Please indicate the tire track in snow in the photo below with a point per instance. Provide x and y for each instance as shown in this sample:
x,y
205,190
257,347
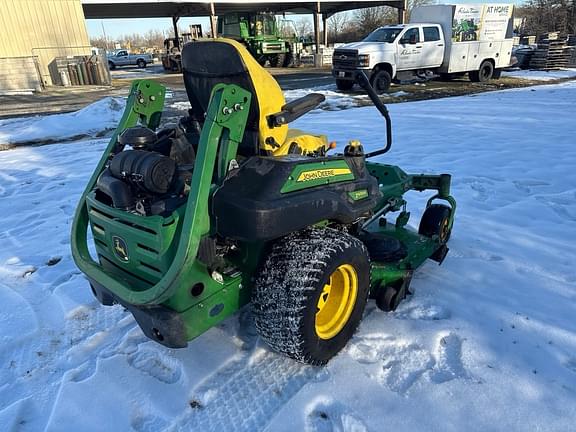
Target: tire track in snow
x,y
246,394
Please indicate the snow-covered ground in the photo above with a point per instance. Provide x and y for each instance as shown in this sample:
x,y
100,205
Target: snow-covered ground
x,y
486,343
93,120
541,75
335,99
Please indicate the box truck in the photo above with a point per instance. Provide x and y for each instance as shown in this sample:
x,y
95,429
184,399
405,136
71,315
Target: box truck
x,y
439,40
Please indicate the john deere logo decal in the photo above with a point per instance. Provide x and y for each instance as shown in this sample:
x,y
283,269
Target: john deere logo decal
x,y
358,194
322,173
120,248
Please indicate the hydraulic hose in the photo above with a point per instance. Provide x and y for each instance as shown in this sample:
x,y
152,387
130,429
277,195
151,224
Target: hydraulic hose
x,y
363,81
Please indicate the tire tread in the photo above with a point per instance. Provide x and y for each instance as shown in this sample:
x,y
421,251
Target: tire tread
x,y
290,273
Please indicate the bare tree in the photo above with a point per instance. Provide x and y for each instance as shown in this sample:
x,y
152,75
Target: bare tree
x,y
544,16
303,26
415,3
337,24
368,19
152,39
99,42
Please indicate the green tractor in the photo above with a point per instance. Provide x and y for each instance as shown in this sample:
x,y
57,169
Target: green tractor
x,y
231,207
268,40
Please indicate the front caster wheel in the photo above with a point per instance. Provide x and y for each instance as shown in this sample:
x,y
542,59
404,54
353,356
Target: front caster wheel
x,y
389,296
310,294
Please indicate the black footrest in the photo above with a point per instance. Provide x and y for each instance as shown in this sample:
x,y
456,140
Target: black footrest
x,y
383,248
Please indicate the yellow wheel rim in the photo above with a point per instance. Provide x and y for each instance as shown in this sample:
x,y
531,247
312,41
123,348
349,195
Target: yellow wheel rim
x,y
444,230
336,302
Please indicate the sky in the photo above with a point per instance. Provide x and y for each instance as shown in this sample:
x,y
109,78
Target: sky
x,y
115,28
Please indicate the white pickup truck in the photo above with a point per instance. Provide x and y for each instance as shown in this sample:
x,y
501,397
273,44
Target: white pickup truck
x,y
124,58
440,40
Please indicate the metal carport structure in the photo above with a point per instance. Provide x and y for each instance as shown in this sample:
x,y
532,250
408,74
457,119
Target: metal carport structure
x,y
322,9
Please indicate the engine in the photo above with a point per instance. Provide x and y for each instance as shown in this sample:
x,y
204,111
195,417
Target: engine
x,y
152,177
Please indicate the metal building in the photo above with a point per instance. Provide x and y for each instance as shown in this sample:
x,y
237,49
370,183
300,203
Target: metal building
x,y
34,33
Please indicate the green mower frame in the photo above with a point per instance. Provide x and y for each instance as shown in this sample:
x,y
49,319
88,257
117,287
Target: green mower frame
x,y
153,265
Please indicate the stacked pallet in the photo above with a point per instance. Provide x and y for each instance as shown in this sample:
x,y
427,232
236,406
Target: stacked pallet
x,y
552,52
572,43
527,40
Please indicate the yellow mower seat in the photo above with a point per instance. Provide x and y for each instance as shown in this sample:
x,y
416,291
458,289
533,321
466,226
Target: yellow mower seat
x,y
210,62
300,142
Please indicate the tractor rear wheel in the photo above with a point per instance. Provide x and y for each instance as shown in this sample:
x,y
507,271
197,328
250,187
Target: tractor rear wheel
x,y
311,292
262,59
277,60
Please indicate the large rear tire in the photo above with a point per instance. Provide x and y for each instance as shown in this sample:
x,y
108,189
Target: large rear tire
x,y
277,60
310,294
262,60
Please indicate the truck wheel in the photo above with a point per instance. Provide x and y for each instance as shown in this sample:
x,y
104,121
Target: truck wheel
x,y
310,294
111,66
141,63
436,221
344,84
381,81
484,73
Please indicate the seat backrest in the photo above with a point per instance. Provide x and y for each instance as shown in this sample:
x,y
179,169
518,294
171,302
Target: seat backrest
x,y
209,62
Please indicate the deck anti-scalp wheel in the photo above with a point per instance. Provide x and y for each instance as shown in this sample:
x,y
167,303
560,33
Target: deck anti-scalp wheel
x,y
436,221
311,292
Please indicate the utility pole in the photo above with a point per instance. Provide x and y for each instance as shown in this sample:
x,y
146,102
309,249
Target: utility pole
x,y
403,12
317,13
104,34
213,27
175,19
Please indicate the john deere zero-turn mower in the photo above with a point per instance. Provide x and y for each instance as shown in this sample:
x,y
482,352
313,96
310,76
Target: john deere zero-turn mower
x,y
230,206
